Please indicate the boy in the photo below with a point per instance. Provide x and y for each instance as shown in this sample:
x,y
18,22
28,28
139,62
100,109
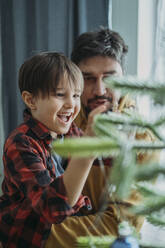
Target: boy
x,y
36,191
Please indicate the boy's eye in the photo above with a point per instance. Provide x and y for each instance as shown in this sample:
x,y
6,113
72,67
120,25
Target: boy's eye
x,y
76,95
60,94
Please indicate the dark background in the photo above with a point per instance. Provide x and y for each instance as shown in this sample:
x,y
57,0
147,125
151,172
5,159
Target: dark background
x,y
31,26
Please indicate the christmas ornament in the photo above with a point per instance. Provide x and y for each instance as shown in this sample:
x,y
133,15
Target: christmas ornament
x,y
125,239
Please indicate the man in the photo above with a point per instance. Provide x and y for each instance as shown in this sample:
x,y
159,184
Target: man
x,y
99,55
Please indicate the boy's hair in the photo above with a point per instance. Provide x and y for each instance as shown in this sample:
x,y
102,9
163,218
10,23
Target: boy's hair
x,y
103,42
43,72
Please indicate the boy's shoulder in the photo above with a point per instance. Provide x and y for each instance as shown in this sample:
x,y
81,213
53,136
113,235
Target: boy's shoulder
x,y
18,134
29,133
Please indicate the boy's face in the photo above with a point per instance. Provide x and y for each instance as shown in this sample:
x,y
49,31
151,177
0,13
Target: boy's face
x,y
58,111
95,70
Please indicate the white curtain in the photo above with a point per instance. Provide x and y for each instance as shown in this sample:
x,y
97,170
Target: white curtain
x,y
160,42
110,14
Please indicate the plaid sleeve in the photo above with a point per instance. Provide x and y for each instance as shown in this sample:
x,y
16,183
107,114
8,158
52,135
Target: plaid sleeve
x,y
82,201
25,166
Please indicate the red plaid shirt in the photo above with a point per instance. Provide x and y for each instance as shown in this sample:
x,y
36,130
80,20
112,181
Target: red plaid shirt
x,y
33,196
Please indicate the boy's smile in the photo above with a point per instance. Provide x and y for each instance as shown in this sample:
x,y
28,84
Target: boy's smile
x,y
58,110
64,117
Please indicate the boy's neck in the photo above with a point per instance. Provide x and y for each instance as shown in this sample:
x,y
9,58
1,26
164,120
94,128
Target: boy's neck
x,y
53,134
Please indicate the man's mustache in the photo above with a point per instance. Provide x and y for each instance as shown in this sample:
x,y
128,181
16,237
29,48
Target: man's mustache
x,y
100,98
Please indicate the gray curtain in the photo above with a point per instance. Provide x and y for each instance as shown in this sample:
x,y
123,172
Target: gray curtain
x,y
31,26
1,116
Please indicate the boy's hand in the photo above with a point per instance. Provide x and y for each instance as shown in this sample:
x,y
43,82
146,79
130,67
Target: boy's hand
x,y
89,130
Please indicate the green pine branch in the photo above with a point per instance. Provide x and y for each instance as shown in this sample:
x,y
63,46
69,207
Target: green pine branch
x,y
149,171
93,241
106,130
105,242
122,119
85,147
149,206
115,137
123,171
147,145
148,189
146,245
129,121
133,85
158,221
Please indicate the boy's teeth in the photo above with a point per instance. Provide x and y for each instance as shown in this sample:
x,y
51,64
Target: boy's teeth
x,y
64,118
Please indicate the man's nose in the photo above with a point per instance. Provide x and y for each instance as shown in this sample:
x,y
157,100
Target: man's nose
x,y
99,88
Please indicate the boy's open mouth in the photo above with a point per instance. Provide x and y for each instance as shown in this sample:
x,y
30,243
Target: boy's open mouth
x,y
64,117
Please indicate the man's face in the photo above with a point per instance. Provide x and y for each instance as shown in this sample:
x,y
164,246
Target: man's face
x,y
95,70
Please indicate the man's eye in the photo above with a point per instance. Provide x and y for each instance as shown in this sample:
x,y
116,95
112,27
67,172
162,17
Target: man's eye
x,y
107,76
114,73
89,78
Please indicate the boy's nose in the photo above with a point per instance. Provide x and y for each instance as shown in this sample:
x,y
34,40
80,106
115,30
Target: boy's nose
x,y
69,103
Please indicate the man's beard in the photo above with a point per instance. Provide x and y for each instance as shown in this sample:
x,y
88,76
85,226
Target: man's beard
x,y
109,100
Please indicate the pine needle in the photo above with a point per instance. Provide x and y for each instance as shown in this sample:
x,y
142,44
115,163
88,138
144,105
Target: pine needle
x,y
93,241
133,85
149,171
122,175
149,206
158,221
85,147
149,190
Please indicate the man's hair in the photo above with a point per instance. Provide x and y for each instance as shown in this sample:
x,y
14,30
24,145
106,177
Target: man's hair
x,y
43,72
103,42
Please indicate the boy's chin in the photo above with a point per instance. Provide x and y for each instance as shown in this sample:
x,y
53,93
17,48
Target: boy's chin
x,y
59,132
65,131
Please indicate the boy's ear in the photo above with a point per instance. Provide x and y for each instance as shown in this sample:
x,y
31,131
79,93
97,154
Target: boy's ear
x,y
29,100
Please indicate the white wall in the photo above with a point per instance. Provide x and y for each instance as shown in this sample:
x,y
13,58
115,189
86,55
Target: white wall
x,y
135,21
147,14
125,21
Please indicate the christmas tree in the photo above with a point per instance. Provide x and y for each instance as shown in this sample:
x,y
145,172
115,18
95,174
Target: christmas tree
x,y
115,137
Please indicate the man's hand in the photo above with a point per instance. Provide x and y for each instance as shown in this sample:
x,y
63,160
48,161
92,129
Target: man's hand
x,y
89,130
